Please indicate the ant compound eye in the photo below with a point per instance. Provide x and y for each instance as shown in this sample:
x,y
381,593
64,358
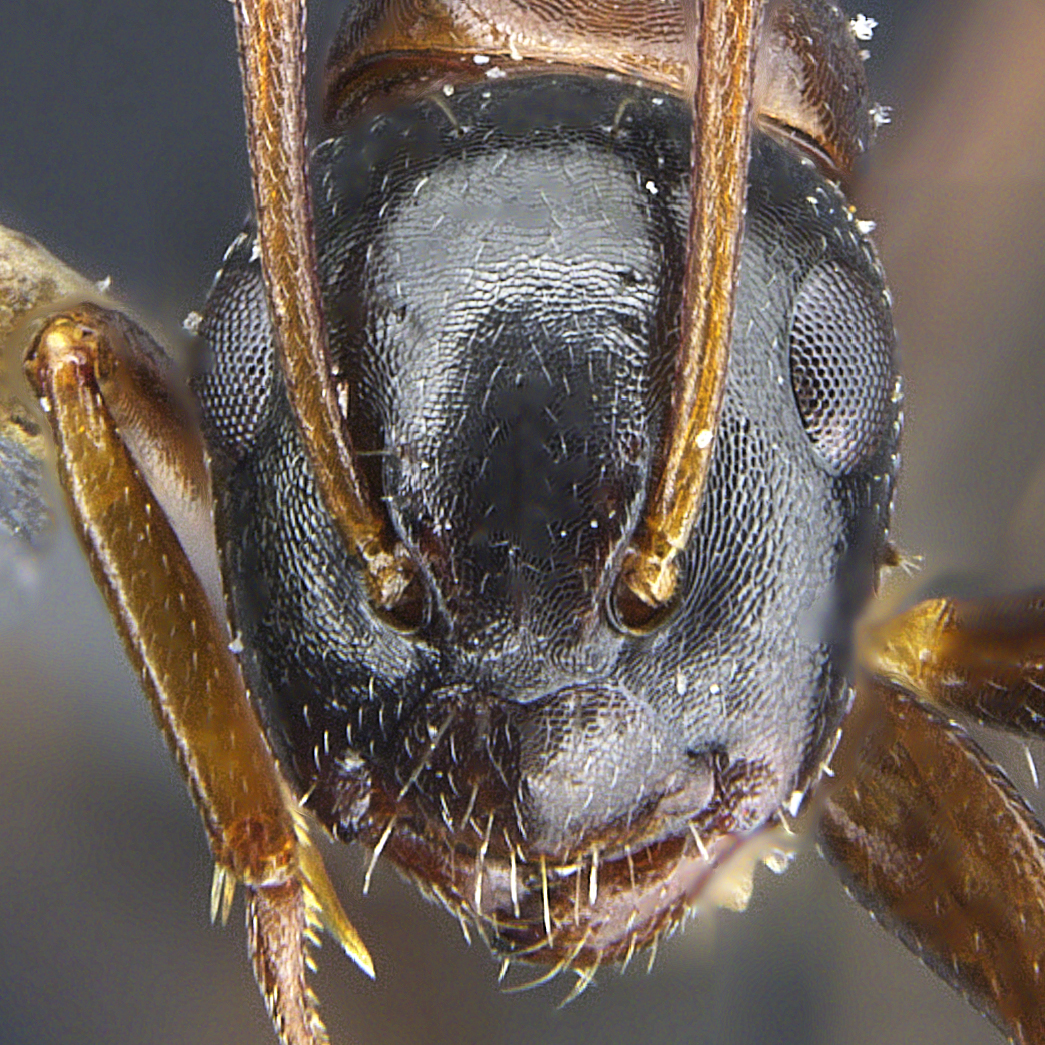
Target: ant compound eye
x,y
235,380
841,351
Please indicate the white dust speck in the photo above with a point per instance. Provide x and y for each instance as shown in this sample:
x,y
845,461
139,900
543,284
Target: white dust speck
x,y
863,27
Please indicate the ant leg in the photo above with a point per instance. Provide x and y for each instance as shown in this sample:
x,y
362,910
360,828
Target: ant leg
x,y
99,380
928,834
982,658
31,279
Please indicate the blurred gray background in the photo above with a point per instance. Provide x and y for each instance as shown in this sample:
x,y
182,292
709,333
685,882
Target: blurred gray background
x,y
122,151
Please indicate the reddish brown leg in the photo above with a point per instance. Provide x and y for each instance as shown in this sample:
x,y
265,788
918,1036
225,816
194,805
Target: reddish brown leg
x,y
100,384
982,658
30,279
929,835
